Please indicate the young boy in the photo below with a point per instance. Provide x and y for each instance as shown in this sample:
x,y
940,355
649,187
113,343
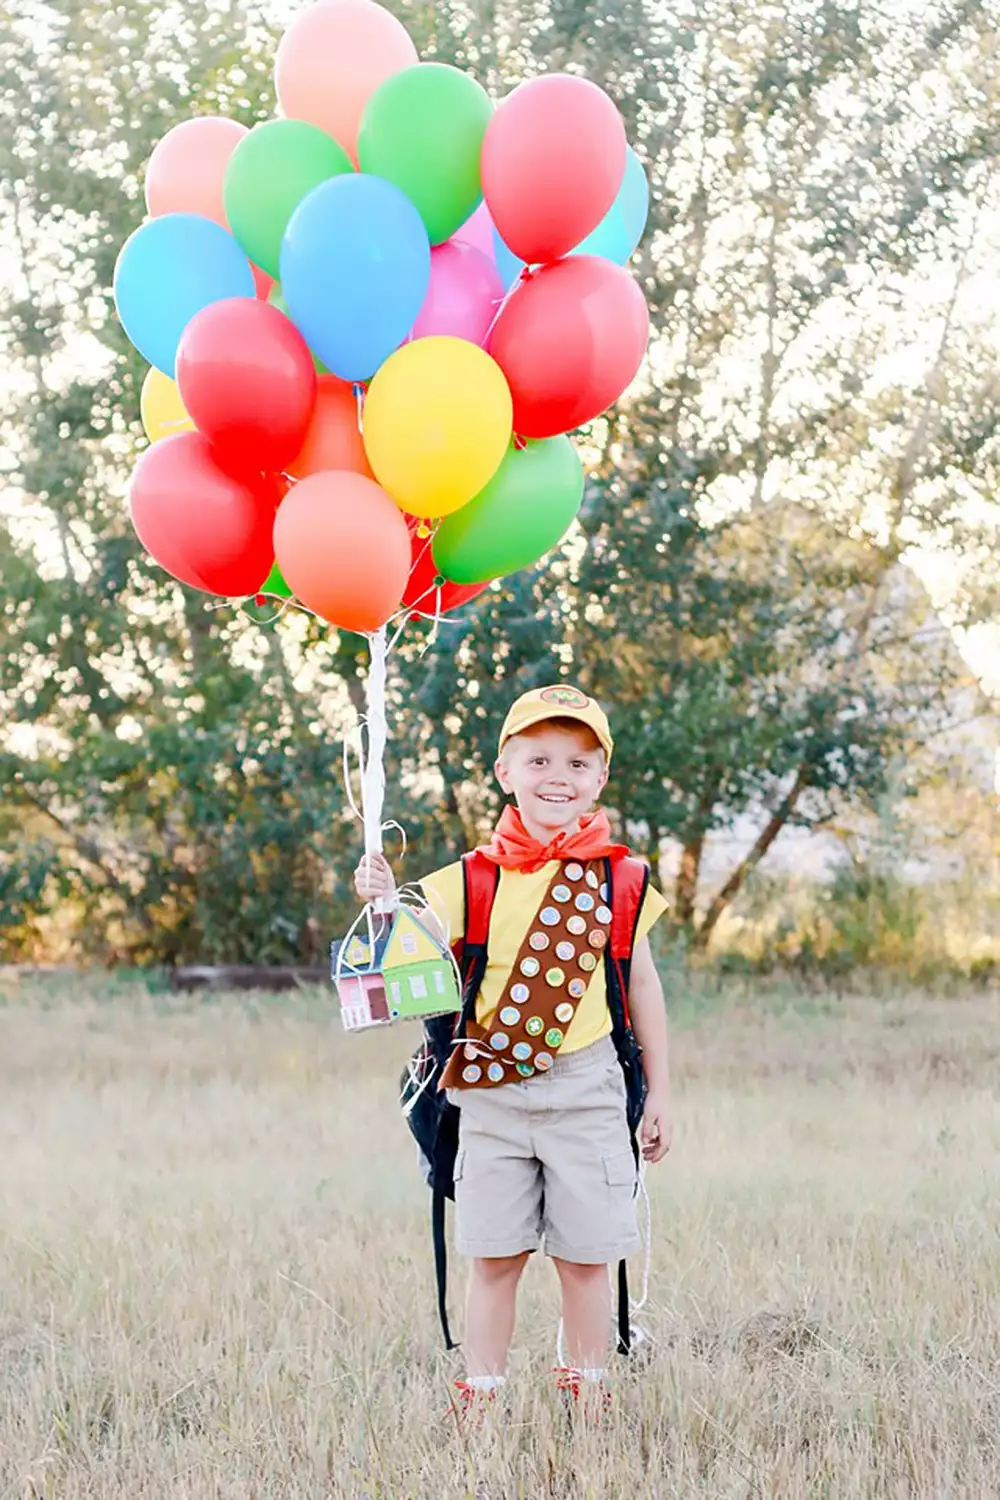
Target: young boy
x,y
544,1148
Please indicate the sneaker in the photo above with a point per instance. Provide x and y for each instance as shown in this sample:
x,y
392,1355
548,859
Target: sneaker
x,y
584,1400
471,1406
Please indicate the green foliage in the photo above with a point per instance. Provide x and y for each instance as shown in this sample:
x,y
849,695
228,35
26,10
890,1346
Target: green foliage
x,y
821,178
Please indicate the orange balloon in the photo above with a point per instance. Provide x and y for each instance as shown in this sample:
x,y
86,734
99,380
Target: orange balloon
x,y
334,440
343,549
185,171
332,59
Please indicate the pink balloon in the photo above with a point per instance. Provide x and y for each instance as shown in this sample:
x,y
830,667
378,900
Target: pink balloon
x,y
332,59
477,231
185,171
465,292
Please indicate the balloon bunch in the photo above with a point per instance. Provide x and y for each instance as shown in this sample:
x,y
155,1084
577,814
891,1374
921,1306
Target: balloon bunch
x,y
372,323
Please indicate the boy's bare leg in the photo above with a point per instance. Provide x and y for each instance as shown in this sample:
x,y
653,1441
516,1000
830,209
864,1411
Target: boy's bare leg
x,y
490,1309
586,1299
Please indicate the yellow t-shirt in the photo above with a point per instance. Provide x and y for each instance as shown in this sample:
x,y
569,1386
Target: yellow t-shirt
x,y
518,898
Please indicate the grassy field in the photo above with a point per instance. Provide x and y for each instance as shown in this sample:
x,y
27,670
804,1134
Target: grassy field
x,y
215,1275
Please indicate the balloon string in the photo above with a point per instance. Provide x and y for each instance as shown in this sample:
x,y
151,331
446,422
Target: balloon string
x,y
359,397
514,287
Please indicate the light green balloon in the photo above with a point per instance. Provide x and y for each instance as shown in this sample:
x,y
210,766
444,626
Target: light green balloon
x,y
423,130
275,585
270,172
526,508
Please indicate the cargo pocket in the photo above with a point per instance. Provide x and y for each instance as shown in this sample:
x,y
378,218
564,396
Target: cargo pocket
x,y
621,1179
620,1171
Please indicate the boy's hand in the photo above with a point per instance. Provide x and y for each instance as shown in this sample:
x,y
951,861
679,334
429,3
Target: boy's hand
x,y
373,878
657,1128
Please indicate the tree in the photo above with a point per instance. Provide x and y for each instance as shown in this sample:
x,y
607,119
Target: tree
x,y
174,769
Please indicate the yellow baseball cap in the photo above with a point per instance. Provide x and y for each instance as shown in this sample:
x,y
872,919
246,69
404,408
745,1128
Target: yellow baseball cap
x,y
558,702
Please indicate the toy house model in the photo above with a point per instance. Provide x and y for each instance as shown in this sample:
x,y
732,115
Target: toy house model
x,y
407,974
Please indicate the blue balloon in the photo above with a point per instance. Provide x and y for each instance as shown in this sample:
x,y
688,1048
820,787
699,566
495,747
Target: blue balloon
x,y
620,231
508,264
167,271
355,267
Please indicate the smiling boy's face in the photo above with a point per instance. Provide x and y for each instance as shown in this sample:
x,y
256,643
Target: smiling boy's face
x,y
556,772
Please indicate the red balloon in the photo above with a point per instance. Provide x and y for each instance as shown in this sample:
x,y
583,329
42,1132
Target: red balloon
x,y
570,341
425,582
262,282
206,527
248,382
553,161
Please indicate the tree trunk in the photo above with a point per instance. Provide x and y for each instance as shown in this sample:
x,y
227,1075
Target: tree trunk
x,y
752,859
686,885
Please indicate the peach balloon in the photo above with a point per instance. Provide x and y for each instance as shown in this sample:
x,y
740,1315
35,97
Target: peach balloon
x,y
185,171
332,59
343,549
334,439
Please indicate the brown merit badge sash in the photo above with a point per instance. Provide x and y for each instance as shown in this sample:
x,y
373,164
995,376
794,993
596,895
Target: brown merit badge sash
x,y
556,962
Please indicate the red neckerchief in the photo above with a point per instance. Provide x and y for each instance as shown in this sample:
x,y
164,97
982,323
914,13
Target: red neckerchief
x,y
512,847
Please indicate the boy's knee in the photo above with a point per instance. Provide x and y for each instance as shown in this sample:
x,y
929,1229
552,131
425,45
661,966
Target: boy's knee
x,y
499,1268
580,1274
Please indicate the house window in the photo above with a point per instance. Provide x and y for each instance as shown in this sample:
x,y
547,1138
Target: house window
x,y
408,942
418,987
439,981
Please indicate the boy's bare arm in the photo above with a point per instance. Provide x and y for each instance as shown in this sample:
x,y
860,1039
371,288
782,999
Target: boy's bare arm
x,y
649,1021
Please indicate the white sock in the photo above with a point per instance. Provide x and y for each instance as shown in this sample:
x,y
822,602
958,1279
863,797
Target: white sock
x,y
487,1382
594,1377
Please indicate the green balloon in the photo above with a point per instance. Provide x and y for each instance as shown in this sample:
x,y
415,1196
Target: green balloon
x,y
269,173
274,584
276,298
522,513
423,130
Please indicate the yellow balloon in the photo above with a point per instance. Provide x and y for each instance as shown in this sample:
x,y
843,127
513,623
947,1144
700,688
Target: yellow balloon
x,y
161,408
437,419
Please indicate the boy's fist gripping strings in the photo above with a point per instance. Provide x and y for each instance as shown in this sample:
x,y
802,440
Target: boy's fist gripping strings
x,y
373,879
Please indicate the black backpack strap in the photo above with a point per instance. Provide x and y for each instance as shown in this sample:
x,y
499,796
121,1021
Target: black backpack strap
x,y
626,904
624,1325
438,1203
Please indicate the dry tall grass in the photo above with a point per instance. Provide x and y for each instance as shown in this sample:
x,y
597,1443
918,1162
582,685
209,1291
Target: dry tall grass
x,y
215,1272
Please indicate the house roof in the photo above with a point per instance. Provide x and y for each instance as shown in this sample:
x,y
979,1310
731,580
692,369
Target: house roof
x,y
361,962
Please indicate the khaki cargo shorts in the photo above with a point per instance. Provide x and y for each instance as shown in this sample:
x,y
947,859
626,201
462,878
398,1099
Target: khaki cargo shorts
x,y
548,1160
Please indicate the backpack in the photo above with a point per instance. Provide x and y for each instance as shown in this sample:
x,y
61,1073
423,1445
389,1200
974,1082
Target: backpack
x,y
434,1121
